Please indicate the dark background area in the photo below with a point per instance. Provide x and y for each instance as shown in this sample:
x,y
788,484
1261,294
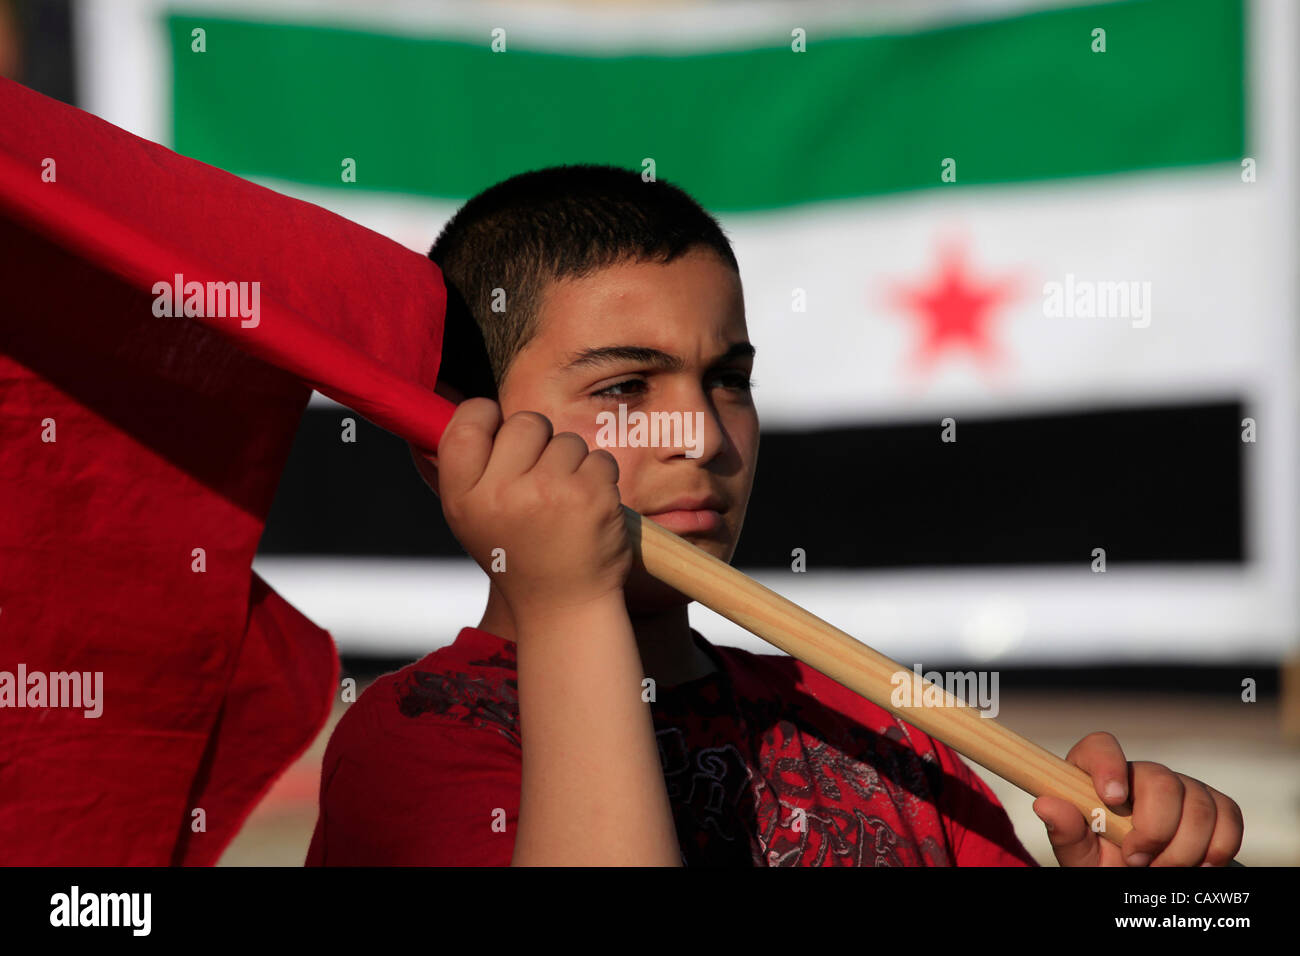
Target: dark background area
x,y
36,46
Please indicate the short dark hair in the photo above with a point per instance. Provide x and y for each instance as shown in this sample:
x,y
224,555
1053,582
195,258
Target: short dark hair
x,y
560,222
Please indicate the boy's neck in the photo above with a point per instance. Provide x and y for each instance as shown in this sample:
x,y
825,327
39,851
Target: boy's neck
x,y
668,652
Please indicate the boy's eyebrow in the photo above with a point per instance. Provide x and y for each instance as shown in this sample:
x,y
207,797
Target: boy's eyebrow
x,y
610,354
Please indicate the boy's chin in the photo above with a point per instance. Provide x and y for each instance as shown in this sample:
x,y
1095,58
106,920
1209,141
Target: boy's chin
x,y
651,596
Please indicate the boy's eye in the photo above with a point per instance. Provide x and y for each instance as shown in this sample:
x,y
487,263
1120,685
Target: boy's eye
x,y
738,381
610,391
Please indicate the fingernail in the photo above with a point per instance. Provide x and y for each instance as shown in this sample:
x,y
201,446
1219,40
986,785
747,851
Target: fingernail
x,y
1139,859
1114,791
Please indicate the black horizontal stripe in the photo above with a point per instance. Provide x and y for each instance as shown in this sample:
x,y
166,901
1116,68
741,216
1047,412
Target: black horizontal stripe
x,y
1151,484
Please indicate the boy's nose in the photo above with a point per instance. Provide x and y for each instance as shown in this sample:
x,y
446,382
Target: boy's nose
x,y
701,435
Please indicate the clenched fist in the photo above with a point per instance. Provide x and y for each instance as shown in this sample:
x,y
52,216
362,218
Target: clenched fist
x,y
547,500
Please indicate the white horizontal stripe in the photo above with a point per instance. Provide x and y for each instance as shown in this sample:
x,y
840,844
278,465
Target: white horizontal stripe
x,y
1061,617
1204,242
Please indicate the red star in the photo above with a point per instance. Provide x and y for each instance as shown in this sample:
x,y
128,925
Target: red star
x,y
954,311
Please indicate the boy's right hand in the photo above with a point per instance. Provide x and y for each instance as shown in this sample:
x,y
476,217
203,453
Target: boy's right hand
x,y
548,500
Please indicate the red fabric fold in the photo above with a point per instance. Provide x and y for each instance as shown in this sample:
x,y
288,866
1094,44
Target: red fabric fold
x,y
139,455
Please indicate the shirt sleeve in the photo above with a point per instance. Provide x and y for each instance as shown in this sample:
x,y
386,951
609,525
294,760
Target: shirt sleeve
x,y
433,793
978,828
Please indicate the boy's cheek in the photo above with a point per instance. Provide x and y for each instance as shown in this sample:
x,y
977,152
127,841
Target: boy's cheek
x,y
584,425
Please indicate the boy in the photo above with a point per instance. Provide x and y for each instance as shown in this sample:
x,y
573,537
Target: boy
x,y
528,740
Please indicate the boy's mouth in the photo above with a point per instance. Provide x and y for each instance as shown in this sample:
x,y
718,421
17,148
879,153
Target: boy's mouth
x,y
691,514
689,521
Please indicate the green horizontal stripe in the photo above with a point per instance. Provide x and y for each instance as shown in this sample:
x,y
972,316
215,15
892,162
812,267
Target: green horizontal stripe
x,y
1011,100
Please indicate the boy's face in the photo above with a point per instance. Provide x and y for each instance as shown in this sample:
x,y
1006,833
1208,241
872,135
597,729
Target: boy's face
x,y
691,310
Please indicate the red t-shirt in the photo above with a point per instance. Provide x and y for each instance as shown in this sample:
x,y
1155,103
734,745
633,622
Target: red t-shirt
x,y
424,769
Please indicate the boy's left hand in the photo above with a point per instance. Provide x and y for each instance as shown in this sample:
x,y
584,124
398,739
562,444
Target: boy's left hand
x,y
1177,821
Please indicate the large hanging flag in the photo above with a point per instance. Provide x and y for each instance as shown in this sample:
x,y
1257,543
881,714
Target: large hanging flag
x,y
1066,228
164,325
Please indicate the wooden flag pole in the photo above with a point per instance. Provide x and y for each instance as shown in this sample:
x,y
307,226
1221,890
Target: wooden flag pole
x,y
802,634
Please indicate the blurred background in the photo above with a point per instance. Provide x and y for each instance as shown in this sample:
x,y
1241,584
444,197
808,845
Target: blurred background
x,y
1063,234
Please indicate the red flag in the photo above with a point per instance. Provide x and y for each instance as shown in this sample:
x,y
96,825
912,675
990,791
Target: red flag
x,y
140,448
